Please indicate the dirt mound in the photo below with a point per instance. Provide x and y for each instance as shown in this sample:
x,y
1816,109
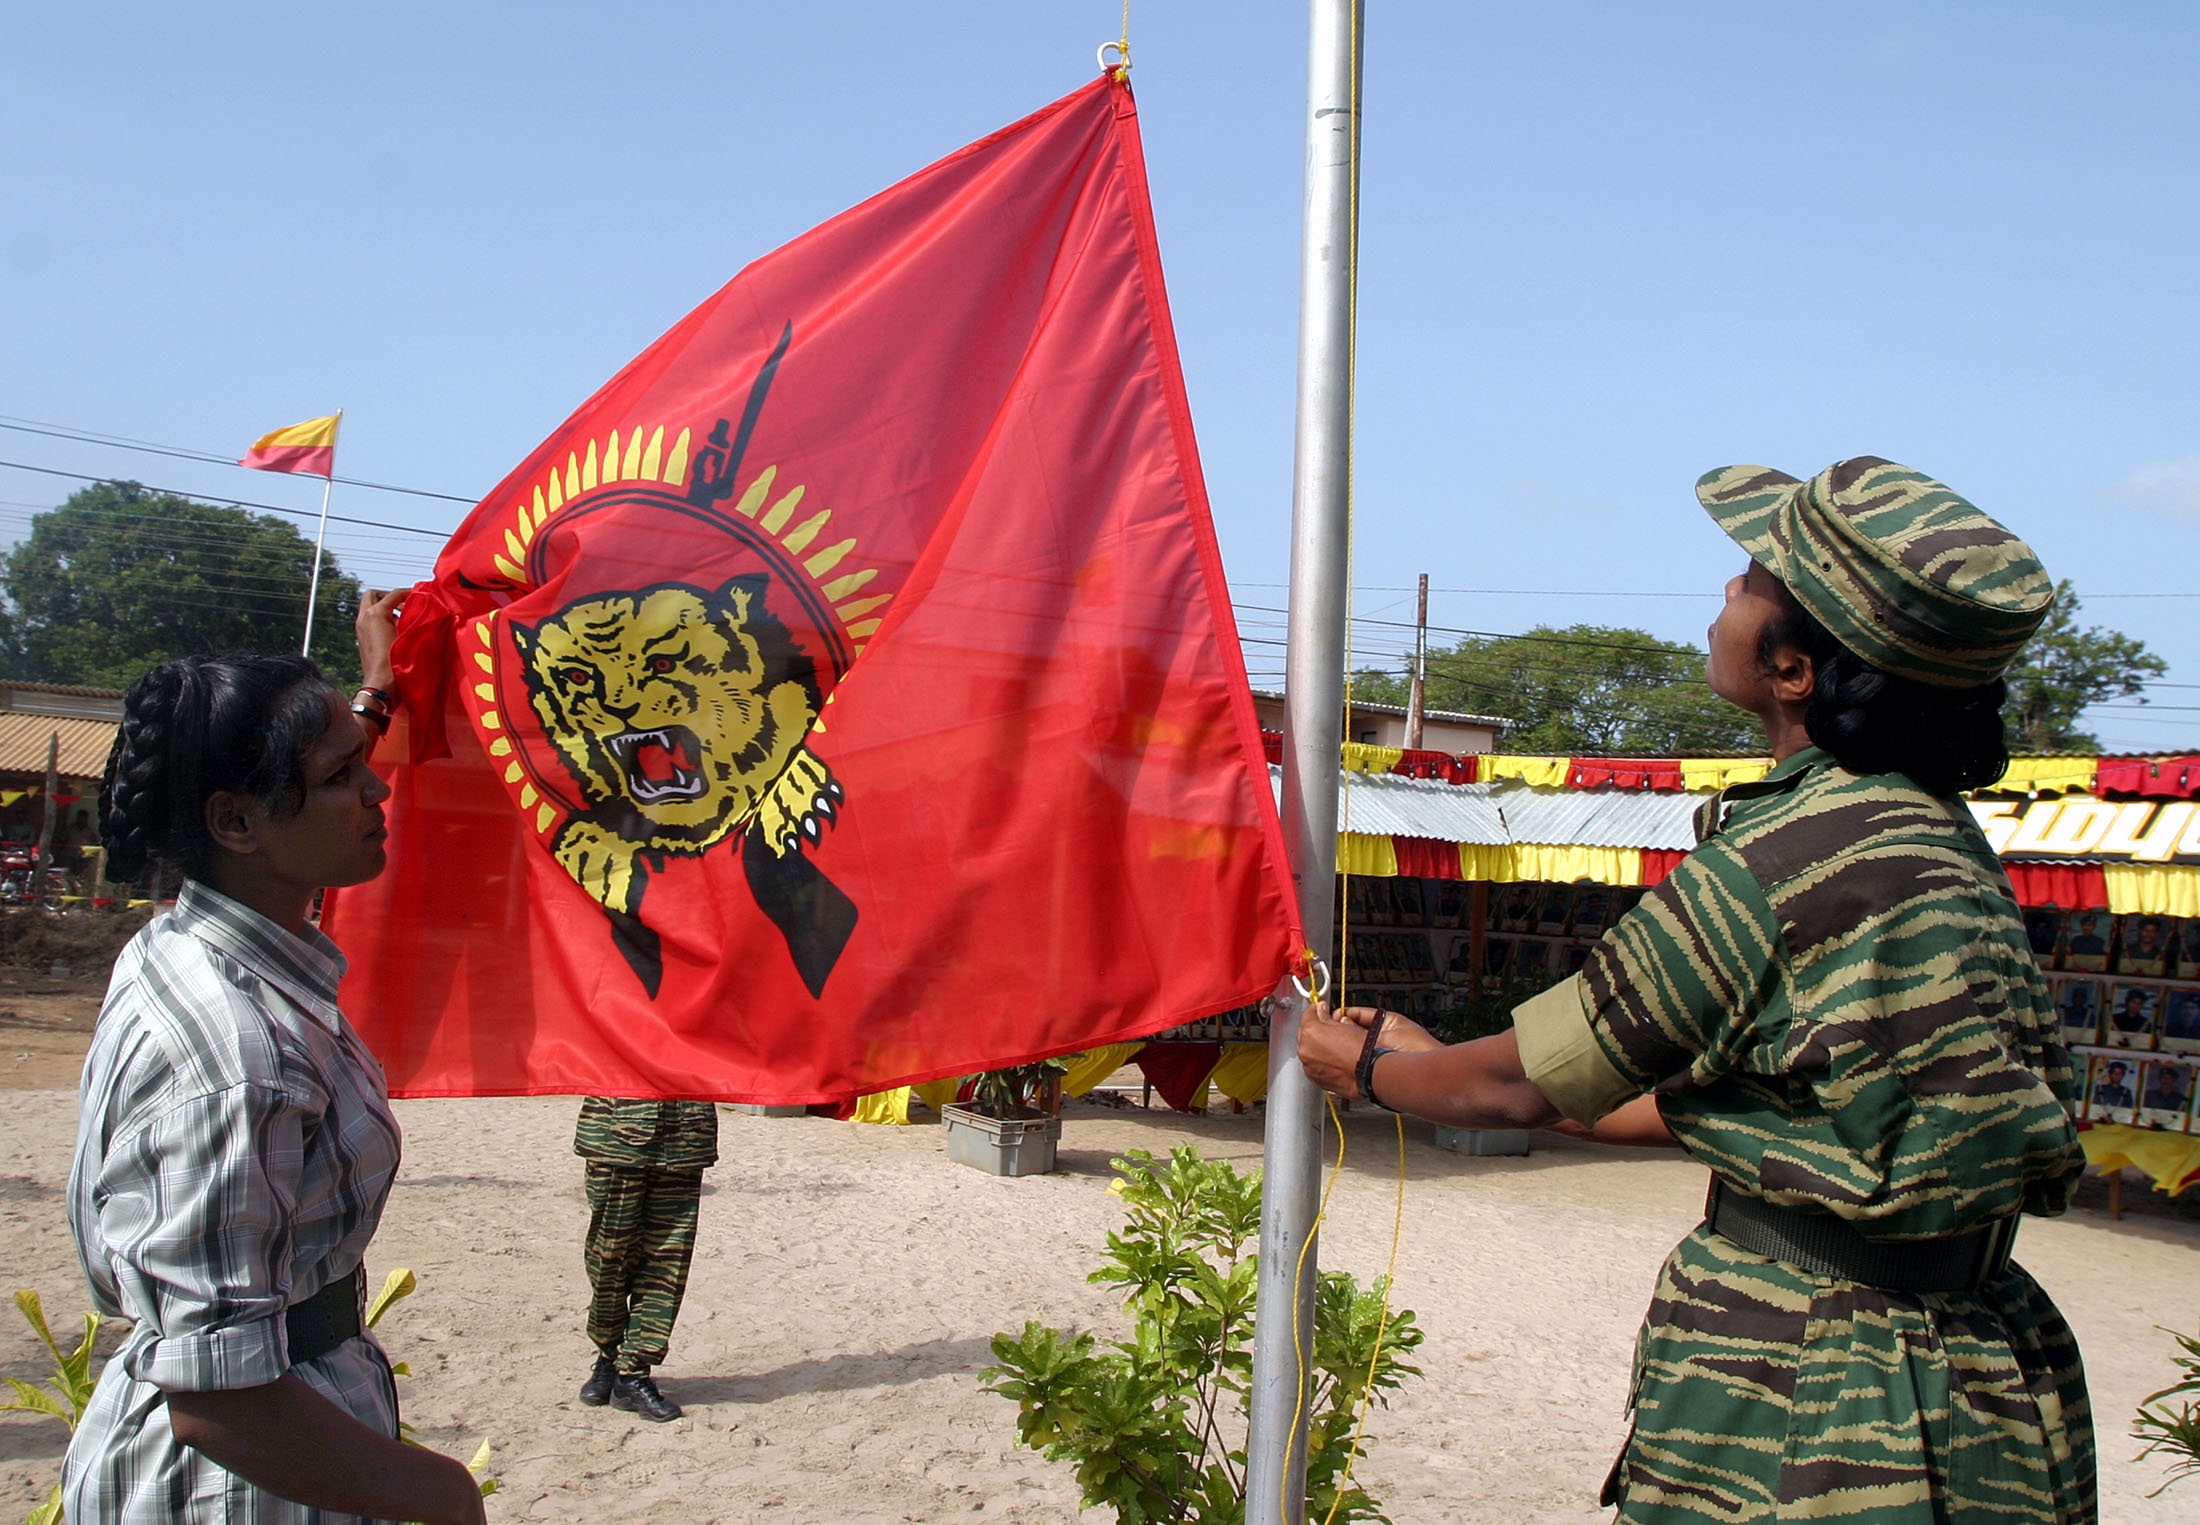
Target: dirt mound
x,y
72,944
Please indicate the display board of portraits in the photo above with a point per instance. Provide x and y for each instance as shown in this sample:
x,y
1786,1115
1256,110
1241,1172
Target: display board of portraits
x,y
2128,992
1247,1024
1407,945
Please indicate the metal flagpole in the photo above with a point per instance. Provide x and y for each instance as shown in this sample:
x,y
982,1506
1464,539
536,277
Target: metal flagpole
x,y
313,588
1275,1466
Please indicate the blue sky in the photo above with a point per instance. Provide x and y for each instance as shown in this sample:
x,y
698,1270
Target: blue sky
x,y
1606,247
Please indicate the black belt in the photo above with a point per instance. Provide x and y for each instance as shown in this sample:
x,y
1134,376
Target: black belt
x,y
1829,1246
329,1317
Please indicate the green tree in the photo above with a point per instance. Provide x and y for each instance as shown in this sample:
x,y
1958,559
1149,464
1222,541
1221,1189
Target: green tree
x,y
2063,670
1582,691
120,578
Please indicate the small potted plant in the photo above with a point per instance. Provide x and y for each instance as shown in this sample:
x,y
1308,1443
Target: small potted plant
x,y
1011,1123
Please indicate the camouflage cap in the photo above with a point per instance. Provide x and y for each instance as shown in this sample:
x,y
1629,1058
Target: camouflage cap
x,y
1900,570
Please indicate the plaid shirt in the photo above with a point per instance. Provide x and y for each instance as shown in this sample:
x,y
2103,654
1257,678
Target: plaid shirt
x,y
234,1149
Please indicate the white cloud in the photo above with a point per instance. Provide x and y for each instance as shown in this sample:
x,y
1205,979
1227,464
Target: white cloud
x,y
2170,489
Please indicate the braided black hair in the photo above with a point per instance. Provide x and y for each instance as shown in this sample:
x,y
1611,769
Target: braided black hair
x,y
1873,721
195,727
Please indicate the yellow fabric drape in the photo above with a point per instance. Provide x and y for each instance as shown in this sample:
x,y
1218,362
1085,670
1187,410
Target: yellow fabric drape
x,y
1360,757
1094,1065
2159,889
1552,864
2049,775
1543,772
937,1093
1243,1073
2172,1160
887,1107
1360,853
1708,775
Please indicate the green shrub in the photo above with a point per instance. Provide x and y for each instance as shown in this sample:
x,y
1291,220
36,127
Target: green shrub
x,y
1014,1092
2174,1431
66,1398
74,1380
1150,1421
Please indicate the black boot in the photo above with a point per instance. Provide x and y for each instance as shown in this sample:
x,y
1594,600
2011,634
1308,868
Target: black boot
x,y
637,1394
596,1391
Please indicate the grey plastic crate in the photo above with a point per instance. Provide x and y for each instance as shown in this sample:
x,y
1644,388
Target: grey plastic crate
x,y
1001,1146
1482,1140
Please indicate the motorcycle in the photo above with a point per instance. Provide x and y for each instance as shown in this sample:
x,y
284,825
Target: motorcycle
x,y
21,884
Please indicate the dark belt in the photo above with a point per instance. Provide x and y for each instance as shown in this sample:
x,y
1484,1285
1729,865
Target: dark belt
x,y
1826,1245
329,1317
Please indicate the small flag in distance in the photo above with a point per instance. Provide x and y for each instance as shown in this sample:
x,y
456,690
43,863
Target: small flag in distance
x,y
309,447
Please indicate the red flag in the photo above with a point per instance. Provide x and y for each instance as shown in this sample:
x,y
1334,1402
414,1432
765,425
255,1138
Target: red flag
x,y
847,693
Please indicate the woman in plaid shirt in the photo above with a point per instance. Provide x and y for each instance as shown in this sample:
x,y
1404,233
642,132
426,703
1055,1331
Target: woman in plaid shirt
x,y
235,1144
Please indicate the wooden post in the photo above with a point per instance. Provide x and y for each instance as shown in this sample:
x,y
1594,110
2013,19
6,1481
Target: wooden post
x,y
1416,695
46,826
1478,928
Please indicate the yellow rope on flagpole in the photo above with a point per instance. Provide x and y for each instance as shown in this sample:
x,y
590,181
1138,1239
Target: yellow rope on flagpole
x,y
1121,67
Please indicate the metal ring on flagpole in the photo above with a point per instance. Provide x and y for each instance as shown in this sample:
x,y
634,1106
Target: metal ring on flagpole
x,y
1320,990
1122,55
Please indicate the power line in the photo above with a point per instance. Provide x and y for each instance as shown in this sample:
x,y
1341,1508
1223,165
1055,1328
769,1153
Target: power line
x,y
1657,648
146,447
216,501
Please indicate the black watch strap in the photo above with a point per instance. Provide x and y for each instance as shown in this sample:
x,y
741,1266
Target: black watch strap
x,y
1363,1074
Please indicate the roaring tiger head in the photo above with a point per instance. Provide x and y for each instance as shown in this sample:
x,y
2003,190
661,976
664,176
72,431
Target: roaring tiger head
x,y
674,707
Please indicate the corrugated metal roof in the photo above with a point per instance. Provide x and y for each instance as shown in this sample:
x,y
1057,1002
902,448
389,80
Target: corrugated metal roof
x,y
1599,817
1454,716
72,689
1386,805
84,744
1497,815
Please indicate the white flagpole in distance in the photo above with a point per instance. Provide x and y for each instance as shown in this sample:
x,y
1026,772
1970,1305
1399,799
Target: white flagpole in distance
x,y
313,588
1275,1470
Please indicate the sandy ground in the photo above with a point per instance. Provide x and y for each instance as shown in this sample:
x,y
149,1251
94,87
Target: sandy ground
x,y
848,1279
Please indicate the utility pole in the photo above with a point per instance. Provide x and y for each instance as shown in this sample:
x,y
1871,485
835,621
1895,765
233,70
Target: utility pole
x,y
1416,697
1275,1466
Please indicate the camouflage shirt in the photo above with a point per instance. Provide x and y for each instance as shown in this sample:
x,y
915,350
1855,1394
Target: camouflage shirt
x,y
1834,999
647,1135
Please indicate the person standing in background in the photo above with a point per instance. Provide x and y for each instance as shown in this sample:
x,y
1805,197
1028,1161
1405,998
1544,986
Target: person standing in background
x,y
644,1167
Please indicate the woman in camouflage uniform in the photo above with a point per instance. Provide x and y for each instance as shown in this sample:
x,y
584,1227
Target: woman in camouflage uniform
x,y
1833,1005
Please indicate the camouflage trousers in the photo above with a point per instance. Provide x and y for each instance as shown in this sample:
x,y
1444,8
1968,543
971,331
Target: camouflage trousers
x,y
1763,1393
641,1236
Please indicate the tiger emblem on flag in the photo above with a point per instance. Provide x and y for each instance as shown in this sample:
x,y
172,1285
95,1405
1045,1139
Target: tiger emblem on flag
x,y
681,713
661,709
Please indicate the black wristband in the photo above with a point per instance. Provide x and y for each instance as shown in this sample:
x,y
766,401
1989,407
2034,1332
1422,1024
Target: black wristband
x,y
381,696
368,711
1363,1074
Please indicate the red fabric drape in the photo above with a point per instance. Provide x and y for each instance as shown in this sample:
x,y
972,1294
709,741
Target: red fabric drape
x,y
2065,886
1424,764
2173,778
1422,858
1659,773
1178,1070
1657,862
